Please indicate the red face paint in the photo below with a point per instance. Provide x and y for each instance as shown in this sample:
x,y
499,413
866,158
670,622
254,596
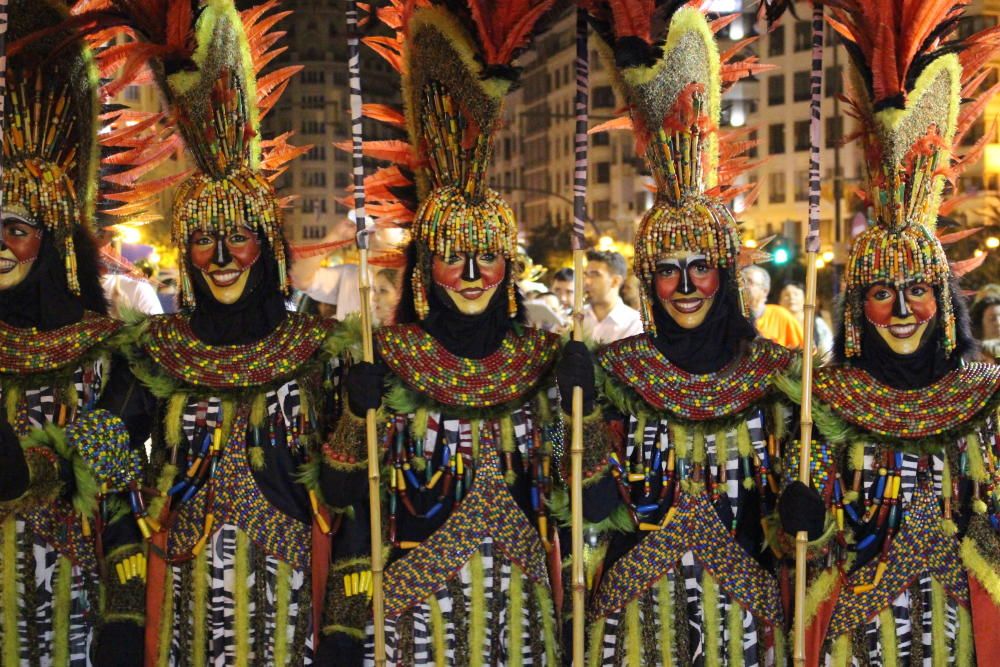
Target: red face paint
x,y
902,328
470,296
686,286
23,240
225,268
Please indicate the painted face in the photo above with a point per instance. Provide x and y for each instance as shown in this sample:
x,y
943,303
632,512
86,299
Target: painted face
x,y
225,261
901,316
469,278
20,243
686,285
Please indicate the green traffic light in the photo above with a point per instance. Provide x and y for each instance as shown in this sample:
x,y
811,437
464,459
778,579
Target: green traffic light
x,y
780,256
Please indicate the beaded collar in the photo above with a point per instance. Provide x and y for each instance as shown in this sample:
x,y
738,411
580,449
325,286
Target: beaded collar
x,y
637,363
172,345
424,365
859,399
29,351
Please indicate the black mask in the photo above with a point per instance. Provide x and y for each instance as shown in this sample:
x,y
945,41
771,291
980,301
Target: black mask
x,y
711,345
252,317
905,371
43,299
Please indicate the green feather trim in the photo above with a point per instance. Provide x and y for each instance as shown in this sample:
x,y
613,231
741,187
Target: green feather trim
x,y
987,574
939,638
507,443
515,609
346,339
477,612
841,651
87,489
619,521
163,483
166,621
712,629
595,653
437,631
668,639
887,632
964,643
241,614
633,635
698,449
61,604
734,619
818,592
977,469
544,598
174,419
255,455
419,424
10,597
258,410
678,434
333,628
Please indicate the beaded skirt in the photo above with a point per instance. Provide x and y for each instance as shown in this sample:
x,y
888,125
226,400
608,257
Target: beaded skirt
x,y
688,593
476,592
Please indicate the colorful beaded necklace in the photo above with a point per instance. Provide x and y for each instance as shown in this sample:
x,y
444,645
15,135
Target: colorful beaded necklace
x,y
31,351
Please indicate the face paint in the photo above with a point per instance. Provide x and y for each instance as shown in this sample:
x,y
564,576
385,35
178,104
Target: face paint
x,y
20,243
470,289
901,317
686,285
225,261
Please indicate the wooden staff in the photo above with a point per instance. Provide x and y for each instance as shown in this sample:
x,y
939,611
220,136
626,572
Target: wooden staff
x,y
579,584
368,352
809,321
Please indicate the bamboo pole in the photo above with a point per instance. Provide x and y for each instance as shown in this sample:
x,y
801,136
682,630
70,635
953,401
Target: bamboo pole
x,y
809,322
579,584
368,352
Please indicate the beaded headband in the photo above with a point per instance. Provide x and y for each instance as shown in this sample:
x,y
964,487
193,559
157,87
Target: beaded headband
x,y
673,87
50,119
908,104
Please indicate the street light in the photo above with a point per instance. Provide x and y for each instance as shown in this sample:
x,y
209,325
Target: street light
x,y
828,256
129,234
992,242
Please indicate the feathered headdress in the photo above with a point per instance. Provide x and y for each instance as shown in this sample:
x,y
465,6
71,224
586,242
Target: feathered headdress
x,y
51,118
668,67
908,84
455,58
207,62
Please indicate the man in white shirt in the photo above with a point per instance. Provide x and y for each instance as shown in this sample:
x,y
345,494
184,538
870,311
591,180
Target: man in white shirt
x,y
606,318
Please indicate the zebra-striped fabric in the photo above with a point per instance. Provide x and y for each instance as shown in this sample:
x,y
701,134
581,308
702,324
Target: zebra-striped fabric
x,y
260,607
38,564
675,595
437,631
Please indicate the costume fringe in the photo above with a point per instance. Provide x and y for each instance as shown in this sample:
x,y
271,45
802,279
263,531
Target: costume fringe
x,y
710,603
174,419
678,434
667,637
887,631
977,469
841,653
633,630
939,638
984,572
515,610
283,596
241,618
258,410
596,641
199,622
964,651
167,620
437,631
547,612
735,618
61,608
477,614
9,596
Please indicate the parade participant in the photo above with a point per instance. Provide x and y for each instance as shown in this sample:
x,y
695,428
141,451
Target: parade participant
x,y
239,379
461,385
687,578
72,565
904,559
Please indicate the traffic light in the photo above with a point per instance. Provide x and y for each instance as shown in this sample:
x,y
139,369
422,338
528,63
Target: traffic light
x,y
780,255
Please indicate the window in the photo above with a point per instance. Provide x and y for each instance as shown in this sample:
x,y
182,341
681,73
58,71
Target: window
x,y
315,154
754,150
776,139
776,89
803,36
603,172
601,139
314,179
802,185
834,130
341,179
776,42
601,210
132,93
311,205
313,76
603,96
801,88
776,188
833,81
313,231
801,131
313,101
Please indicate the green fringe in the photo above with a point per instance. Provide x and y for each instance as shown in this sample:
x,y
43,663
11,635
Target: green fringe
x,y
163,483
711,631
345,340
255,455
61,611
667,630
545,609
939,639
9,596
841,653
698,446
174,419
977,469
965,647
515,611
437,630
887,630
735,621
507,443
167,620
633,634
721,447
419,424
618,521
241,617
87,489
258,410
818,592
199,622
477,613
594,645
984,572
678,434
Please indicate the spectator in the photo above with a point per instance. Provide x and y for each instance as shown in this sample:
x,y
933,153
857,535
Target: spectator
x,y
126,292
606,318
985,316
772,321
544,311
336,286
793,299
630,291
563,287
385,296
